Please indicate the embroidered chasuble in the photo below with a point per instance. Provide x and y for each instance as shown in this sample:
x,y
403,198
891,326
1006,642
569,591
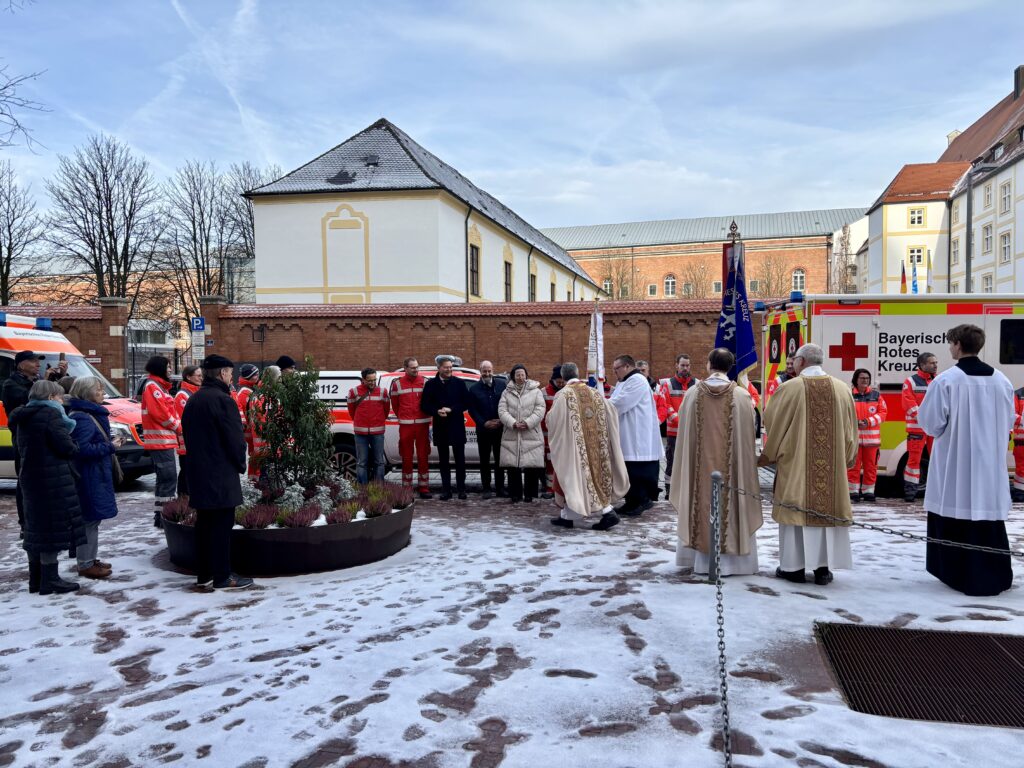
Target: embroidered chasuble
x,y
583,432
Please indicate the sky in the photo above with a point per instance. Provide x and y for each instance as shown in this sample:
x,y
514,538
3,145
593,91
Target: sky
x,y
569,112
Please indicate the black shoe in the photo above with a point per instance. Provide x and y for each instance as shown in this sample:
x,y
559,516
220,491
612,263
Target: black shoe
x,y
158,519
909,492
462,495
514,500
854,498
529,499
487,494
822,576
668,489
35,573
426,495
797,577
501,493
869,498
446,496
1016,496
636,511
233,582
561,522
608,520
50,582
547,495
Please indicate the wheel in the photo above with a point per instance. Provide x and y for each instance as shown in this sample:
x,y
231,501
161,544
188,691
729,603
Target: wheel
x,y
345,460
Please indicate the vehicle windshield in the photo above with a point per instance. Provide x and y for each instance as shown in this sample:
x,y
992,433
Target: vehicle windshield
x,y
78,367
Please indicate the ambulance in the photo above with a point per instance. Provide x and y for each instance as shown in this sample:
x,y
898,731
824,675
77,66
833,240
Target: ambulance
x,y
885,334
19,333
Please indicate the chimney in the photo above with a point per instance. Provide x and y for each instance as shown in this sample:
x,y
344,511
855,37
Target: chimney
x,y
951,136
1018,82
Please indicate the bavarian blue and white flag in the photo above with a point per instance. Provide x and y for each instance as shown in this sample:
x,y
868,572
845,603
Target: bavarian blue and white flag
x,y
913,275
735,324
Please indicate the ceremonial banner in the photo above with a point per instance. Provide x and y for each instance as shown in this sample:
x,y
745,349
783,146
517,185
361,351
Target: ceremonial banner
x,y
735,324
595,349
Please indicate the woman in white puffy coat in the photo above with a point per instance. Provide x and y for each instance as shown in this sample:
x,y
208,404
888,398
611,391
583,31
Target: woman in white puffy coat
x,y
521,410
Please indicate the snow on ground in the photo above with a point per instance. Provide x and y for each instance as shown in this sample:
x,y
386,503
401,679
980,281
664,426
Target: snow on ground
x,y
493,639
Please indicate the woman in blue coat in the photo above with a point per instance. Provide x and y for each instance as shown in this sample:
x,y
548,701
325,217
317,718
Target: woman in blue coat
x,y
94,464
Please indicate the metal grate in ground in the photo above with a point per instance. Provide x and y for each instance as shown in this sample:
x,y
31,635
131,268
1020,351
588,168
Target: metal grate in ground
x,y
954,677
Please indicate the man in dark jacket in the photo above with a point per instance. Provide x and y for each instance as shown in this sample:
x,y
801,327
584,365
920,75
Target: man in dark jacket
x,y
483,409
14,395
446,398
215,443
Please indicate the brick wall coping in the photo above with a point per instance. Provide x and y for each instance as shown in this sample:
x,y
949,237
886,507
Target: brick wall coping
x,y
79,312
661,307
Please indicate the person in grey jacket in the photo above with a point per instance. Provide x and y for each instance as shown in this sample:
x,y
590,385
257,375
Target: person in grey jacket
x,y
521,410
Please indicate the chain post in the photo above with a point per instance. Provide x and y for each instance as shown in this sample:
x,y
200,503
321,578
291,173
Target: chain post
x,y
715,567
714,531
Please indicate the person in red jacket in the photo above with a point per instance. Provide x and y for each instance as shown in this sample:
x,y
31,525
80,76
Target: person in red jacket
x,y
914,389
369,406
871,412
673,390
554,385
248,376
191,378
413,425
1017,491
161,425
779,380
257,416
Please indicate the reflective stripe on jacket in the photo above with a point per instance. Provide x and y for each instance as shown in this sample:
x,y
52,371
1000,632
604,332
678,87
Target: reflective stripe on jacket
x,y
914,389
161,422
369,409
872,409
406,395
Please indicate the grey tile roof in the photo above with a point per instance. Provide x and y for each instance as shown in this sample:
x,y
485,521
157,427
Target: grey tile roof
x,y
383,157
757,226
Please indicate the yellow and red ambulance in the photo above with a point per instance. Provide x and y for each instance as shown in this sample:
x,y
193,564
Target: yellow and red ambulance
x,y
19,333
885,334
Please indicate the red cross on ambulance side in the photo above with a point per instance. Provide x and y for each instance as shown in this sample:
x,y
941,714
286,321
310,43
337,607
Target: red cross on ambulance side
x,y
849,351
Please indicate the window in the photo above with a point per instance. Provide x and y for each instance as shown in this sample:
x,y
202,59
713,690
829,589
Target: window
x,y
687,289
998,151
915,254
1004,198
986,284
954,288
954,252
568,295
607,286
652,289
716,286
915,217
1005,252
988,195
1011,342
474,270
986,239
553,289
670,285
956,213
623,291
799,280
508,281
533,287
755,286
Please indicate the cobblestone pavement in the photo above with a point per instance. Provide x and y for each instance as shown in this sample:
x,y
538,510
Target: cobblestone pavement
x,y
493,639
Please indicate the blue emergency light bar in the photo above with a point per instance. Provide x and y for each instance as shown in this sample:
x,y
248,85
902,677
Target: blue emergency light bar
x,y
21,321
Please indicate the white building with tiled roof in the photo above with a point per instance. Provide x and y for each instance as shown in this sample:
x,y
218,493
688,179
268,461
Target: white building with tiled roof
x,y
378,219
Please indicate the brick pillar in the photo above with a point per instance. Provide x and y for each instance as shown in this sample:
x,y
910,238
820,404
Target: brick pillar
x,y
211,306
113,343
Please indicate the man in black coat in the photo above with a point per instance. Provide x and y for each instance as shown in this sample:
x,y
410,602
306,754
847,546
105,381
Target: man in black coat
x,y
14,395
212,428
483,409
446,398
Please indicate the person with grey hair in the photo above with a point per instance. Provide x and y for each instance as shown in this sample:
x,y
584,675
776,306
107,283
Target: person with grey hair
x,y
812,441
95,464
53,519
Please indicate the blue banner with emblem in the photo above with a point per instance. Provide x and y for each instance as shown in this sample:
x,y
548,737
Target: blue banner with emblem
x,y
735,324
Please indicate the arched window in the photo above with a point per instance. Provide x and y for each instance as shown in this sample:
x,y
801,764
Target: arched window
x,y
799,280
670,285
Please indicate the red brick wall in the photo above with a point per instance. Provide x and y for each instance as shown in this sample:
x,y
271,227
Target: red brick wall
x,y
350,337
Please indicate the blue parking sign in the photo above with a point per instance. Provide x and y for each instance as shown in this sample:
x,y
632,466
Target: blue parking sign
x,y
198,323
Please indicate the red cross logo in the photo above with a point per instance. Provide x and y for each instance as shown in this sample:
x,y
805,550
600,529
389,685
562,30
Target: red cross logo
x,y
849,351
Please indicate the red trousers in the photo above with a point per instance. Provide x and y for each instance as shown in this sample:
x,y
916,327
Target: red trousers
x,y
916,443
415,437
867,460
1018,466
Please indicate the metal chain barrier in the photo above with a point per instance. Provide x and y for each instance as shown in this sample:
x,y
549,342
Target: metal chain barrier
x,y
839,521
715,573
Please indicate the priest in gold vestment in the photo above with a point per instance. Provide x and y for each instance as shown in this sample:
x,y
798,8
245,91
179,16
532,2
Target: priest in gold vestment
x,y
811,423
716,433
590,473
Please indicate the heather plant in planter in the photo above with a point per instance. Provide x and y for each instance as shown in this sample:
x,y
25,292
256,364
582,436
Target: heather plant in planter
x,y
378,507
344,512
256,517
401,496
303,517
178,511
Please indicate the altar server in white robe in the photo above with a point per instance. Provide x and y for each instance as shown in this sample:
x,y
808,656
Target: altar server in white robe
x,y
969,411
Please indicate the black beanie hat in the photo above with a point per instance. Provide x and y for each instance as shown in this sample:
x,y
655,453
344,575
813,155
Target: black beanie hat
x,y
556,373
215,362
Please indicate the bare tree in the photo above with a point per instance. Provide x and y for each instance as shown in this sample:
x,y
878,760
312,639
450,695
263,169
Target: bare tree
x,y
201,235
241,178
772,275
107,218
696,279
12,103
21,231
842,259
629,281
